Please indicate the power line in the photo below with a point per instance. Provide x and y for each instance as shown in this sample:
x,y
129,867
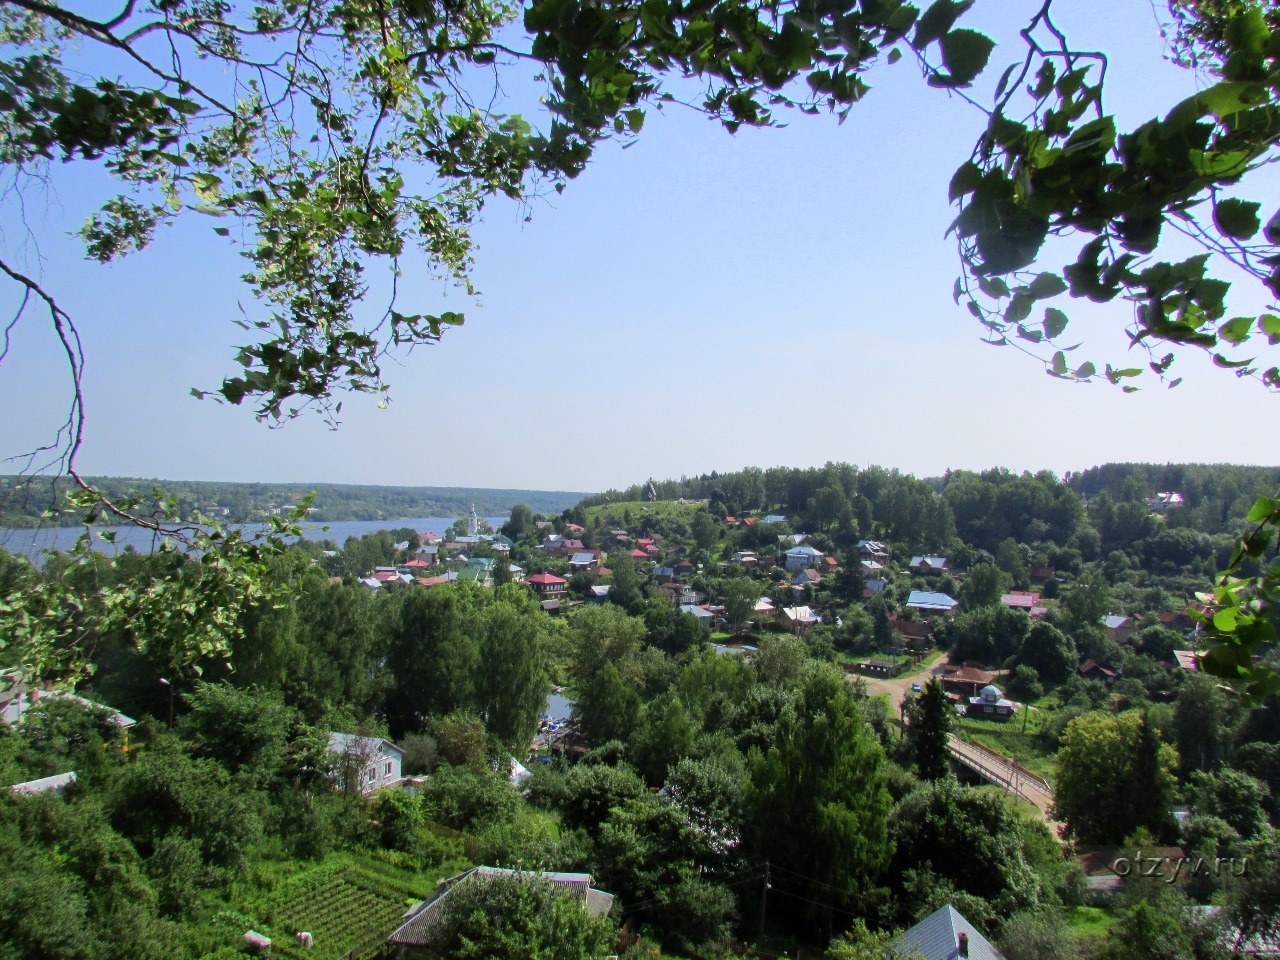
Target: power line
x,y
817,903
797,875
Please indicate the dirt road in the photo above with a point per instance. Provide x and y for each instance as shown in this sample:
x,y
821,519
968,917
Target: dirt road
x,y
899,687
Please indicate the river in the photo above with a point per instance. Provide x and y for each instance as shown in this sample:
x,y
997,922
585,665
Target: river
x,y
34,542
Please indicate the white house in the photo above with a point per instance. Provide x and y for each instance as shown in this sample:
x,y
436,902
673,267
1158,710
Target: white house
x,y
798,619
369,763
802,558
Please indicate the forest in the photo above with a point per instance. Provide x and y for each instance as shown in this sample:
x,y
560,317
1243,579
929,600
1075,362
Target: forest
x,y
32,502
736,784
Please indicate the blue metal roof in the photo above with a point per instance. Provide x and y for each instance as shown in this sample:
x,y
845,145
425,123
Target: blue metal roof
x,y
937,937
925,600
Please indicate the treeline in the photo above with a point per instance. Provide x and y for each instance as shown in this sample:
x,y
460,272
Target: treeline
x,y
27,501
982,508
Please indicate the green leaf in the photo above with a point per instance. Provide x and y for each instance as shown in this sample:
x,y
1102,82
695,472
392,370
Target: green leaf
x,y
1085,370
1019,308
1263,508
1115,376
1236,331
965,53
895,55
1221,361
965,180
1059,363
1046,285
1237,218
993,287
1225,620
1219,164
1229,97
1055,321
937,20
1269,324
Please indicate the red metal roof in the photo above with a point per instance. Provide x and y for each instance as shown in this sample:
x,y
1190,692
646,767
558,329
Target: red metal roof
x,y
546,578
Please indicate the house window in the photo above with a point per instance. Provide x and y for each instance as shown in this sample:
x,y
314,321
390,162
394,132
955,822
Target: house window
x,y
387,772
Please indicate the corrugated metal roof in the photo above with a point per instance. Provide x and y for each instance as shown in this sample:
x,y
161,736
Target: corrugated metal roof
x,y
926,600
932,563
341,742
937,937
57,783
804,552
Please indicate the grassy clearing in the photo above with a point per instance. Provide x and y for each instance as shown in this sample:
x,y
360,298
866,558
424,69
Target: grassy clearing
x,y
1090,922
615,515
1009,740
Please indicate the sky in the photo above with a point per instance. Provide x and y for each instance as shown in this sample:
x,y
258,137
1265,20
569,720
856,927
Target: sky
x,y
698,301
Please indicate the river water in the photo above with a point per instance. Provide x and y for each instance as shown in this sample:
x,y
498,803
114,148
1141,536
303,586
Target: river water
x,y
34,542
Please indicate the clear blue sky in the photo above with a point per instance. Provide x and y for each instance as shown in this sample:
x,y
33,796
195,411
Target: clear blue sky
x,y
698,301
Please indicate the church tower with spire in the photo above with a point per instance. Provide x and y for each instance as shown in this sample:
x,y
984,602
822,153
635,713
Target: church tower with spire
x,y
473,522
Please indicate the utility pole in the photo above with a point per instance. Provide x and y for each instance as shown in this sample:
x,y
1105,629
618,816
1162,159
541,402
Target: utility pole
x,y
764,900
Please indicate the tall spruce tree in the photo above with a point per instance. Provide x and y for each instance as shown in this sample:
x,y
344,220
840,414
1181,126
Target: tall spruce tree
x,y
930,717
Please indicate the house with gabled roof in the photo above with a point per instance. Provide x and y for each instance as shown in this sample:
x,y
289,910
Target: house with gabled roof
x,y
806,578
367,764
1020,600
873,550
798,619
548,585
1164,501
802,558
584,560
927,600
1119,627
20,697
965,681
1092,670
913,631
926,564
944,935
